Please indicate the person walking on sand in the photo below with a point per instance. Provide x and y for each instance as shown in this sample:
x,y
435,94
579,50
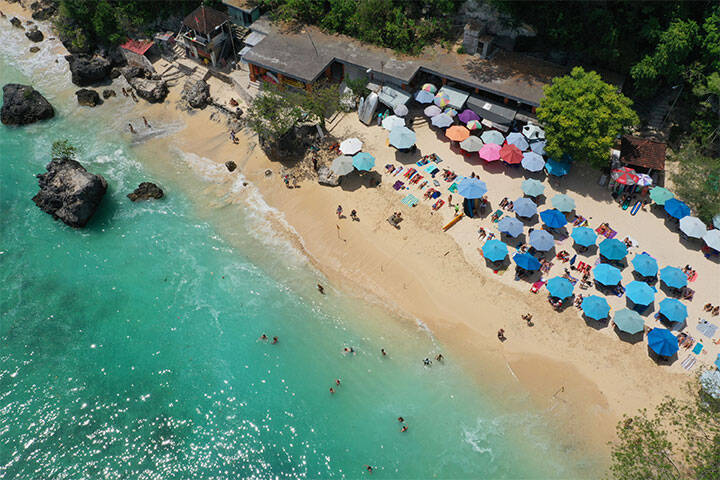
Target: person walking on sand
x,y
339,211
501,335
353,215
321,289
132,130
147,125
124,92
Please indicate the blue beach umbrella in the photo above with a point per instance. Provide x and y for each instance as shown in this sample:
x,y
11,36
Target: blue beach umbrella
x,y
640,293
517,139
560,287
607,275
442,120
584,236
532,187
432,110
511,226
541,240
629,321
363,161
494,250
493,136
538,146
676,208
673,277
402,137
526,261
673,309
645,265
524,207
563,202
471,187
532,162
553,218
663,342
556,168
613,249
423,96
595,307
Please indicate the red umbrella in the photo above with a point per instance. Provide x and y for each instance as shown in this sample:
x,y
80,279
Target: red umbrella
x,y
511,154
625,175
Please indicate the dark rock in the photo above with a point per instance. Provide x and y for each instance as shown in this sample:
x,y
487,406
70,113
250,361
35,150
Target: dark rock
x,y
16,22
196,93
35,35
108,92
87,97
43,9
34,49
327,177
154,91
69,193
114,73
146,191
238,112
22,104
231,166
87,70
131,72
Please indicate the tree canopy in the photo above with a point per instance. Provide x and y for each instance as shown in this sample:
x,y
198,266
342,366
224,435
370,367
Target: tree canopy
x,y
582,116
697,180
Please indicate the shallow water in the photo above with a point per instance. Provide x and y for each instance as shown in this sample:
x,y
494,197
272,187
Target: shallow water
x,y
130,349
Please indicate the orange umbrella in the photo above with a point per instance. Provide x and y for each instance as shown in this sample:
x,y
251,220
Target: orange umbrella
x,y
457,133
511,154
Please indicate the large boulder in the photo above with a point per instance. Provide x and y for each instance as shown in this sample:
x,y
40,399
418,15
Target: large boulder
x,y
196,93
22,104
33,34
327,177
69,193
154,91
34,49
43,9
230,165
87,97
88,70
132,71
146,191
16,22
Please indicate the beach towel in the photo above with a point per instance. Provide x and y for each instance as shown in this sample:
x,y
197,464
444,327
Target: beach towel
x,y
438,204
692,277
410,200
397,172
707,328
537,286
717,361
435,194
698,348
422,161
398,185
453,188
689,362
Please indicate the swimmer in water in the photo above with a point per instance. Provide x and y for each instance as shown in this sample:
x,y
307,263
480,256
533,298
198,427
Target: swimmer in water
x,y
275,340
404,428
332,390
263,337
321,289
146,122
337,381
382,350
401,419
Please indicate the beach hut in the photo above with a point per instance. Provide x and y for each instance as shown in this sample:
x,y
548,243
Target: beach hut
x,y
563,202
526,261
350,146
613,249
693,227
494,250
557,169
532,162
363,161
471,188
677,209
457,133
584,236
538,146
673,310
468,115
392,121
660,195
640,293
663,342
489,152
517,139
423,96
541,240
342,165
595,307
673,277
645,265
471,144
560,287
431,111
624,176
401,110
606,274
712,239
510,226
524,207
532,187
553,218
441,120
402,138
533,132
492,136
511,154
629,321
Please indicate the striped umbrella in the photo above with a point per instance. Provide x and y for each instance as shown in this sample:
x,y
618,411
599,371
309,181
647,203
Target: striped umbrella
x,y
429,87
644,180
442,100
450,112
625,176
473,125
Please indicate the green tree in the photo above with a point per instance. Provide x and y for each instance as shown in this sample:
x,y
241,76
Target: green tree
x,y
317,103
104,22
272,115
697,180
63,149
582,116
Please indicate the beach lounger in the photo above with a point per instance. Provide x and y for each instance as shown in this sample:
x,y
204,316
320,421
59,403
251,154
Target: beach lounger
x,y
689,362
411,200
636,207
537,286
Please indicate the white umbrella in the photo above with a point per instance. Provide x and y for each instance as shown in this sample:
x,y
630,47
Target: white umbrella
x,y
342,165
692,227
432,110
538,146
471,144
644,180
443,120
351,146
533,132
392,121
401,110
712,239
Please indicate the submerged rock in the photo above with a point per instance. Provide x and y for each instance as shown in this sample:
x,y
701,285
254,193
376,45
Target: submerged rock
x,y
154,91
69,193
87,97
22,104
146,191
230,165
34,34
108,92
16,22
196,93
34,49
87,70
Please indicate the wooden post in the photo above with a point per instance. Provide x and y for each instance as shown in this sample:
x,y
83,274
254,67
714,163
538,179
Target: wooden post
x,y
253,73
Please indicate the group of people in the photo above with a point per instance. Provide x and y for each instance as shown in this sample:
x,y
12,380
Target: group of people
x,y
131,94
264,338
714,310
132,129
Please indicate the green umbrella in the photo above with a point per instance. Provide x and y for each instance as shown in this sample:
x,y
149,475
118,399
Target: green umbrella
x,y
563,203
492,136
661,195
629,321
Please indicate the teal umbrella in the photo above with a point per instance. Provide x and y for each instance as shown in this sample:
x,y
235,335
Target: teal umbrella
x,y
645,265
363,161
660,195
607,275
494,250
584,236
595,307
556,168
673,277
560,287
673,309
402,138
493,136
613,249
563,202
532,187
629,321
640,293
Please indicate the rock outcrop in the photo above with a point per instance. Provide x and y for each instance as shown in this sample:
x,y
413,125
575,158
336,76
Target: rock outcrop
x,y
146,191
69,192
108,92
22,104
230,165
34,35
34,49
43,9
87,97
131,71
196,93
154,91
327,177
88,70
16,22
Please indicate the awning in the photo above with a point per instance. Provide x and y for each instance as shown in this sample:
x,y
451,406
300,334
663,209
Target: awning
x,y
244,51
457,97
390,95
254,38
491,111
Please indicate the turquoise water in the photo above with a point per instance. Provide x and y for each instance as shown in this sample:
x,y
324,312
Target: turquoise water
x,y
130,349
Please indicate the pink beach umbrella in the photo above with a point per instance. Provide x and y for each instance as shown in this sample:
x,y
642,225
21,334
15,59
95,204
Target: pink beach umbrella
x,y
490,152
442,100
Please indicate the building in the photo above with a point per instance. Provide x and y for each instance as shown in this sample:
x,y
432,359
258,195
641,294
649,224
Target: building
x,y
242,12
204,35
643,153
137,53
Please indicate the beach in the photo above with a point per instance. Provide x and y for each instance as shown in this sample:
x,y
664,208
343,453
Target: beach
x,y
580,375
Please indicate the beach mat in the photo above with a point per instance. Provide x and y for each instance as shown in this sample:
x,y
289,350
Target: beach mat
x,y
411,200
698,348
707,328
689,362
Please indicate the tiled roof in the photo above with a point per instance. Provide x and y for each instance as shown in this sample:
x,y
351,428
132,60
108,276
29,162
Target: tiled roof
x,y
205,19
642,152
